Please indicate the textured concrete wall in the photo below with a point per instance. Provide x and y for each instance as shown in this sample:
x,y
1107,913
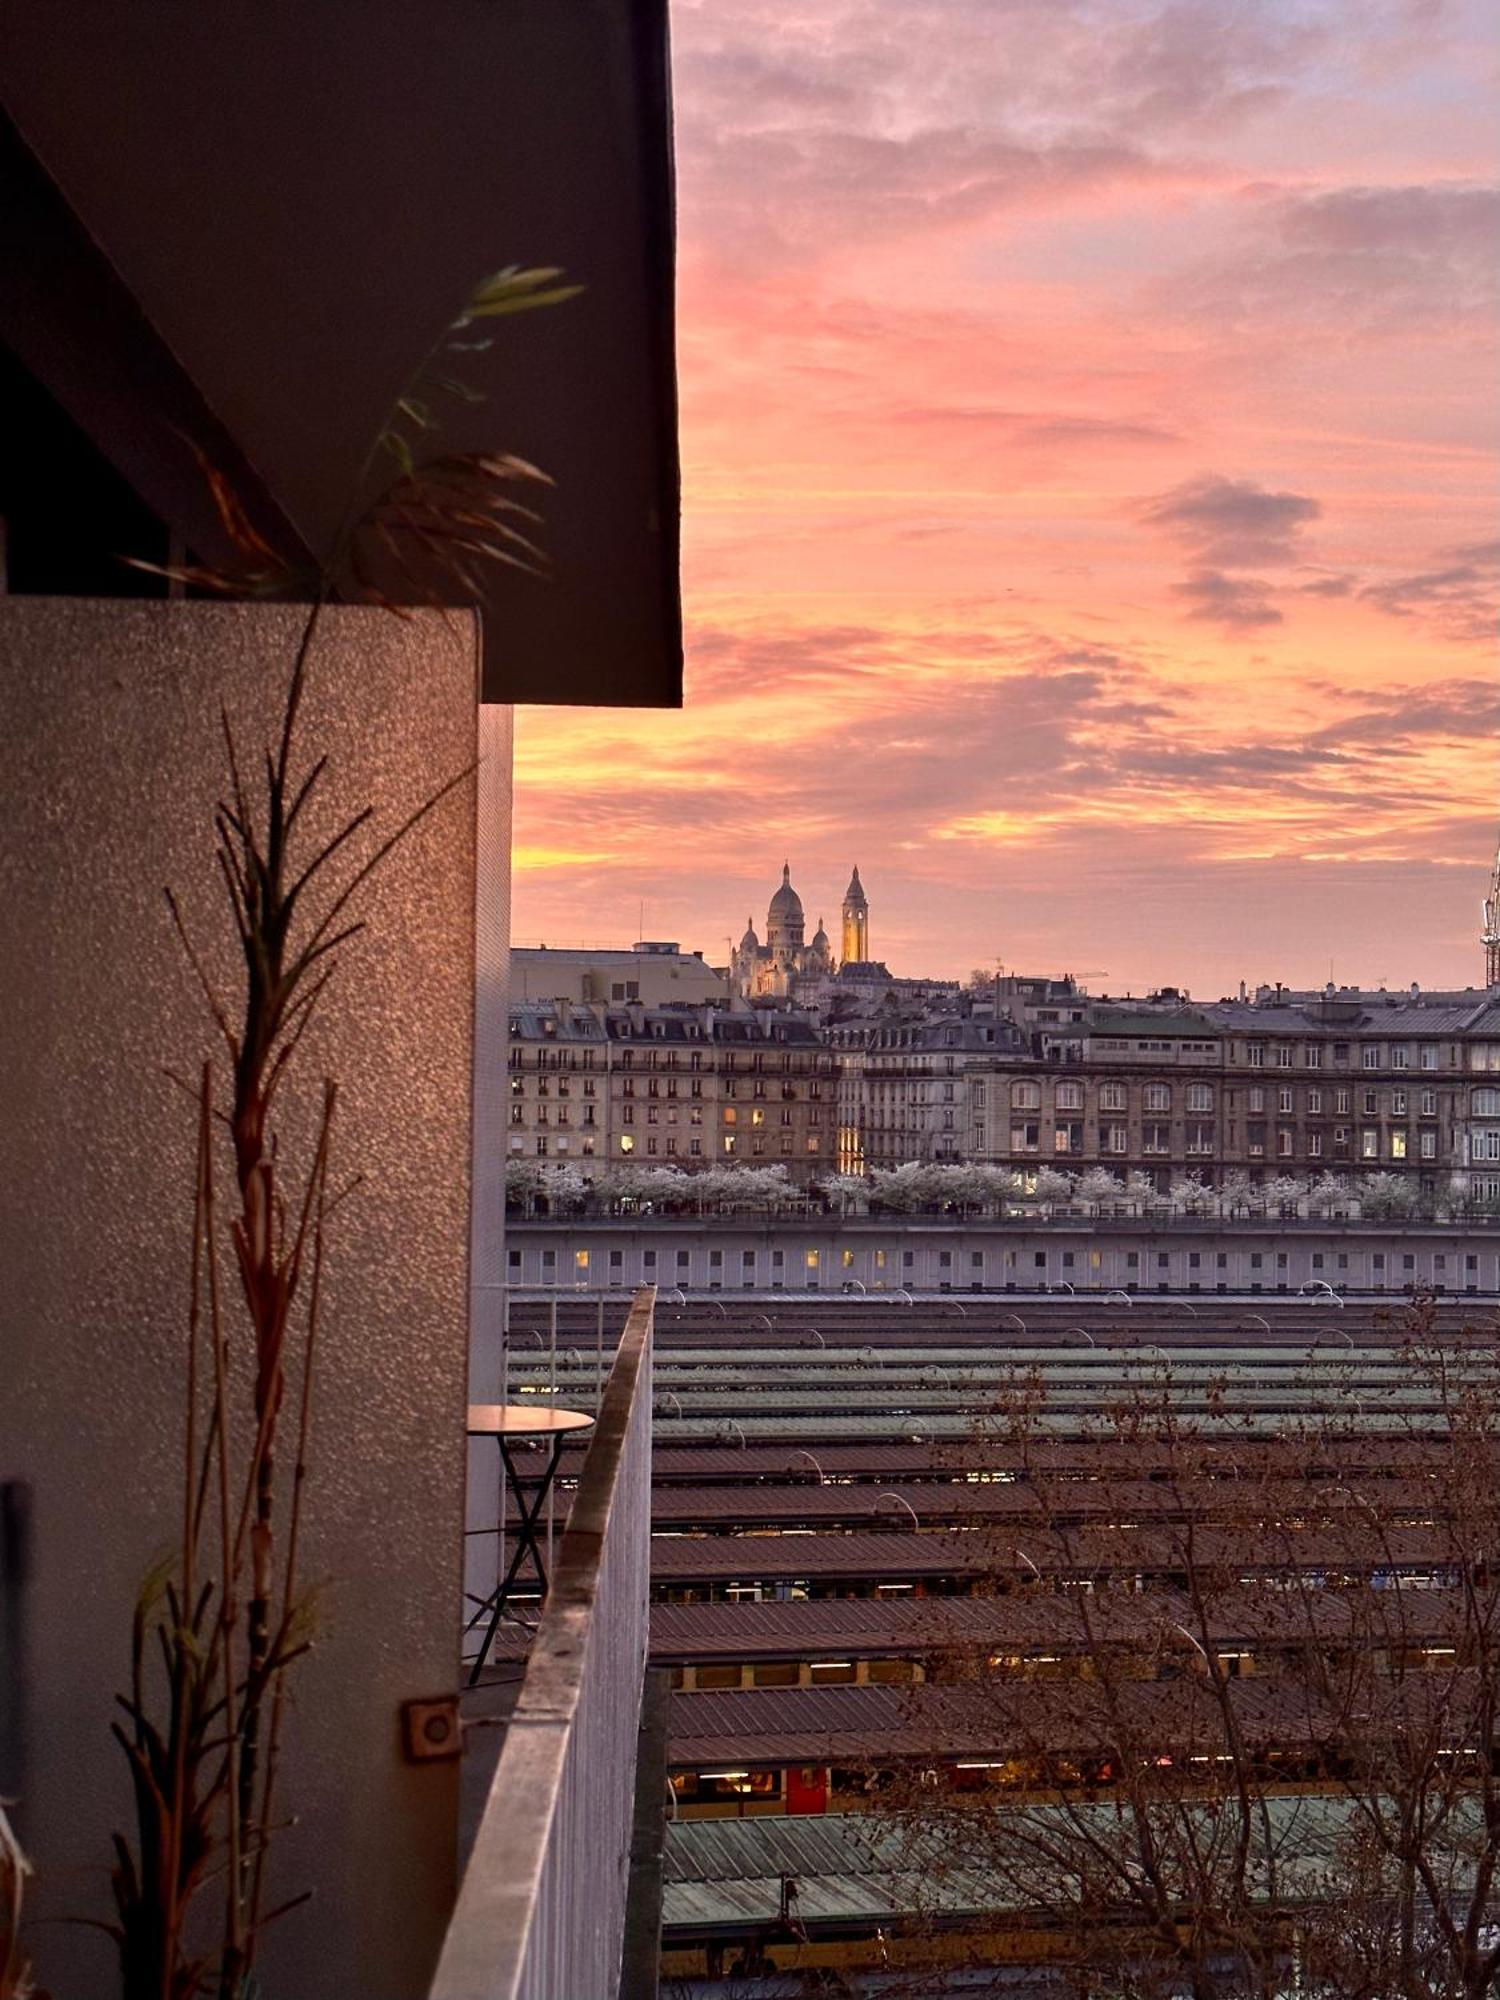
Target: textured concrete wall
x,y
110,763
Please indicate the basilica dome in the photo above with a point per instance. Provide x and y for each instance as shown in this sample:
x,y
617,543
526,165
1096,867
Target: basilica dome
x,y
786,904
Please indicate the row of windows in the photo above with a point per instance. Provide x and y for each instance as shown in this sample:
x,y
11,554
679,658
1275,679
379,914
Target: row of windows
x,y
887,1260
726,1060
1200,1140
757,1116
1157,1097
1068,1095
732,1147
561,1115
1396,1103
1372,1055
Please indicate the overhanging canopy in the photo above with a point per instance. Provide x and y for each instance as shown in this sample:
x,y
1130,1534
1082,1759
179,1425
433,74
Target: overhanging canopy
x,y
242,226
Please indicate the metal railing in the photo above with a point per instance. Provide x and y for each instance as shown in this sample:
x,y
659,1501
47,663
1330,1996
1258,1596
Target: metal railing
x,y
541,1909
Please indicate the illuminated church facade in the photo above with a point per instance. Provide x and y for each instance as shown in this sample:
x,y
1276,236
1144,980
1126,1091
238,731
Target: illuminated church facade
x,y
787,965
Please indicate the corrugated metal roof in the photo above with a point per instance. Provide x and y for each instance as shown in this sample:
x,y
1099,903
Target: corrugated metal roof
x,y
732,1556
939,1424
1002,1353
753,1505
1018,1718
874,1627
997,1549
1054,1365
725,1874
1097,1455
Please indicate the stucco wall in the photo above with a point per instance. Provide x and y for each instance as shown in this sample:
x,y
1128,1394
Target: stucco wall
x,y
110,763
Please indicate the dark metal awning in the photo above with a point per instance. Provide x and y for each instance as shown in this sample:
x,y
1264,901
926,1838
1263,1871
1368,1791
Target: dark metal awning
x,y
239,228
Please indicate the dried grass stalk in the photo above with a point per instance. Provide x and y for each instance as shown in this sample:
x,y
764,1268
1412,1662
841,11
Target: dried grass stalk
x,y
219,1623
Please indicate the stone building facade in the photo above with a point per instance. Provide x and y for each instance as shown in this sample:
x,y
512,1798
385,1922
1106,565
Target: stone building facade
x,y
1341,1085
670,1086
1028,1075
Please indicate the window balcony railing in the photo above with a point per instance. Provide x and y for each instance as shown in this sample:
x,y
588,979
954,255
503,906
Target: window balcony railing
x,y
541,1909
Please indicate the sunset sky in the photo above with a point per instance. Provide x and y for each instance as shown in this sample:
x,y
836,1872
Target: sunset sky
x,y
1088,428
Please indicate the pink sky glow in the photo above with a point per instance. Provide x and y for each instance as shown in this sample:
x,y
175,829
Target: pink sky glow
x,y
1088,423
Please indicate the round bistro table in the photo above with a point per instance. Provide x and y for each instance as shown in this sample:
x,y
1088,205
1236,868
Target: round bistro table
x,y
507,1424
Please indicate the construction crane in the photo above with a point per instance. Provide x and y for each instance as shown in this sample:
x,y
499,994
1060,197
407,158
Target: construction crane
x,y
1489,937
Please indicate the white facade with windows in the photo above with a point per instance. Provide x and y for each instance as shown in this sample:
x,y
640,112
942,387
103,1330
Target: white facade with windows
x,y
889,1254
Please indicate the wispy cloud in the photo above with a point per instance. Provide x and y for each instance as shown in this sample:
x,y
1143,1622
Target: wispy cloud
x,y
1460,597
1232,522
1233,603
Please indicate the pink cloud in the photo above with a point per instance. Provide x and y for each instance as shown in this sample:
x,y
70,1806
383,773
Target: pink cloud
x,y
961,281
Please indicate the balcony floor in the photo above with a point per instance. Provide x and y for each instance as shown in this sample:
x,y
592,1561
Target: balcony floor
x,y
486,1712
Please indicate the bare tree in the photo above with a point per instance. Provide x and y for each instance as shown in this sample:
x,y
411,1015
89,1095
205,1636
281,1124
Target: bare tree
x,y
1248,1746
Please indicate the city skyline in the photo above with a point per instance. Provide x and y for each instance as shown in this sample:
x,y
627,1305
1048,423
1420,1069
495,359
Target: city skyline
x,y
1087,432
1095,984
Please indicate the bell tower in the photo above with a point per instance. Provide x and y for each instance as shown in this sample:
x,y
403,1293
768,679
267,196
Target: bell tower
x,y
856,939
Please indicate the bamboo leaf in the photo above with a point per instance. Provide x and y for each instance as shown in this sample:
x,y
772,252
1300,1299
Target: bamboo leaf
x,y
497,308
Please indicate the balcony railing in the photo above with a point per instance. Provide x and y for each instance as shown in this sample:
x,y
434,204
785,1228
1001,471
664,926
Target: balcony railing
x,y
541,1910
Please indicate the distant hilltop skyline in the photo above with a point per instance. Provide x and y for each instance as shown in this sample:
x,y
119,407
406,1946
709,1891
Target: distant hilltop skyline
x,y
775,963
1089,419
